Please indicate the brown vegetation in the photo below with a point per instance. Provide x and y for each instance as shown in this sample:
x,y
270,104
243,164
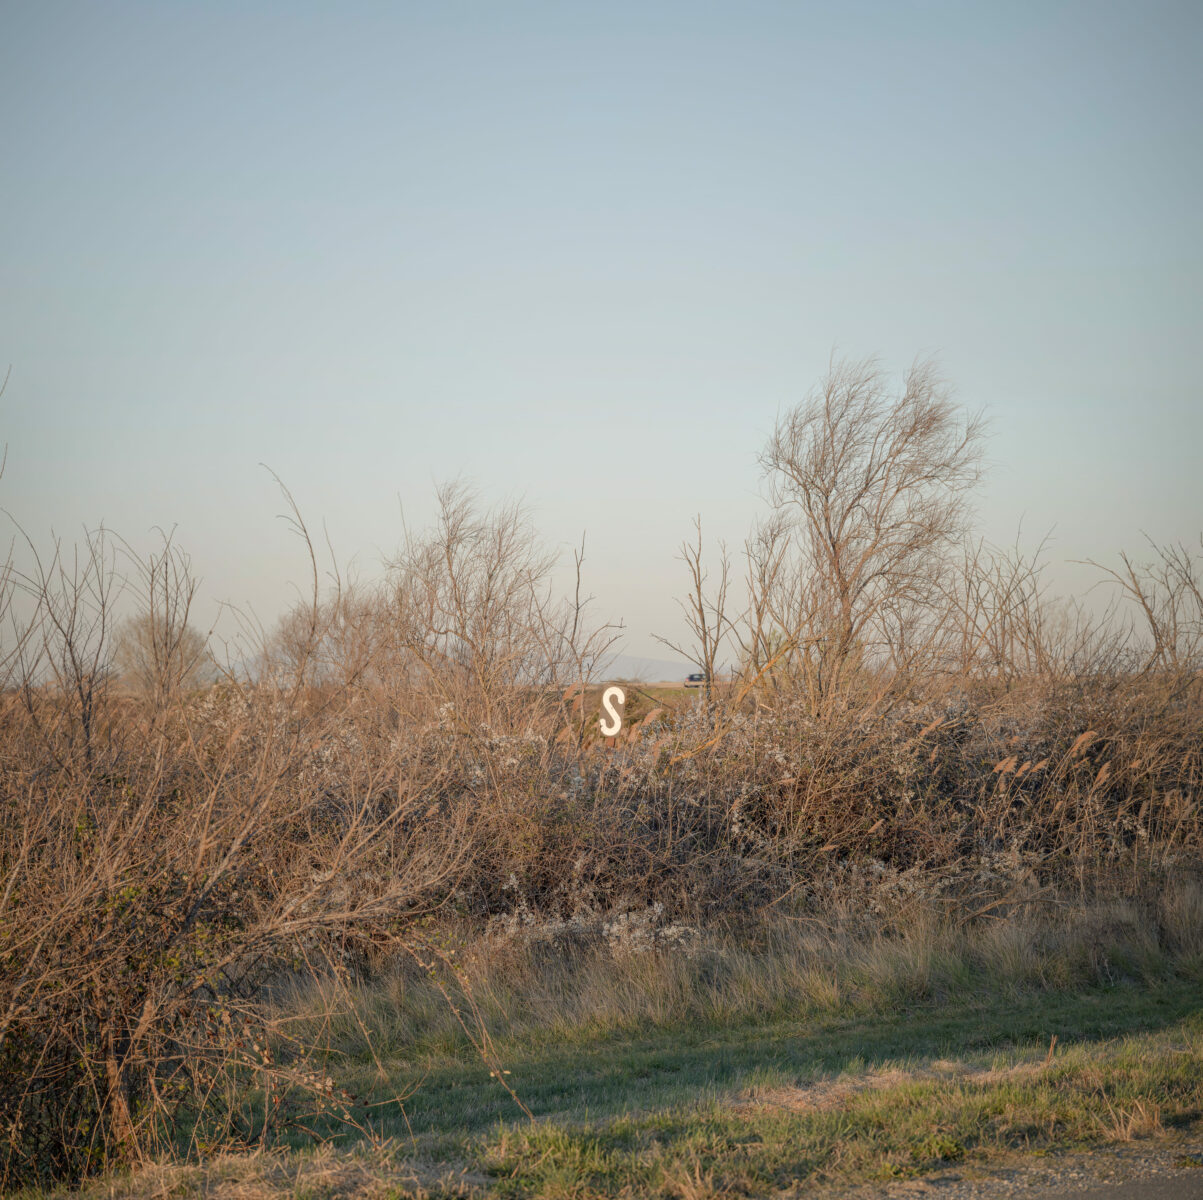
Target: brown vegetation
x,y
907,715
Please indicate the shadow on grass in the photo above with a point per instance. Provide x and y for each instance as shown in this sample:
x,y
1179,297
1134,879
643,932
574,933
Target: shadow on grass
x,y
619,1073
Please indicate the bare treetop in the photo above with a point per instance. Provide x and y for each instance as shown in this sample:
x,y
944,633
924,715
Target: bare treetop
x,y
877,484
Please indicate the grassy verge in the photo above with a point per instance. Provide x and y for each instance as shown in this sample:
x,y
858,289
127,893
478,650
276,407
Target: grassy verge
x,y
738,1071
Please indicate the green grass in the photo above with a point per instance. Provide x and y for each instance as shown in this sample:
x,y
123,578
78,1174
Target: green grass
x,y
747,1107
675,1073
793,1065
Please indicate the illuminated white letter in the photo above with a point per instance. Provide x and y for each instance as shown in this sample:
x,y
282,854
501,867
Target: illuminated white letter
x,y
609,696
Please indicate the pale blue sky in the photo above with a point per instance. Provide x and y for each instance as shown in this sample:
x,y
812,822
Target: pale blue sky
x,y
585,253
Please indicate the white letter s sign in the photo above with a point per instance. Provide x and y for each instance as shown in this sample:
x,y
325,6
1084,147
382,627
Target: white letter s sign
x,y
609,697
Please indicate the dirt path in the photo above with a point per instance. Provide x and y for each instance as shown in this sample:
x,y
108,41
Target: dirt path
x,y
1165,1168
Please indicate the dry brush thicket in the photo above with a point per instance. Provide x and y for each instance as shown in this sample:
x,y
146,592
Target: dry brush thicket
x,y
910,717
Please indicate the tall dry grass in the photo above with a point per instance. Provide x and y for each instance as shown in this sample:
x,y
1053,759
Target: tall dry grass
x,y
566,981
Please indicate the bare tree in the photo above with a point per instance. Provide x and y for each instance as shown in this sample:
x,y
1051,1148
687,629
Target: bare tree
x,y
157,651
760,635
66,644
877,484
705,611
341,641
476,617
1168,594
157,662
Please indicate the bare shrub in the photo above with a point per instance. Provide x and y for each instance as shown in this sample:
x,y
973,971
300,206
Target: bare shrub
x,y
160,860
904,748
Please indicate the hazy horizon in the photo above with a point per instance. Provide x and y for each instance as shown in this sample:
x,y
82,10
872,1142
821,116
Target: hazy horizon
x,y
585,256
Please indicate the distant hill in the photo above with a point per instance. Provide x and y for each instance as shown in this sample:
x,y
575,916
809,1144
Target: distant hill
x,y
646,670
